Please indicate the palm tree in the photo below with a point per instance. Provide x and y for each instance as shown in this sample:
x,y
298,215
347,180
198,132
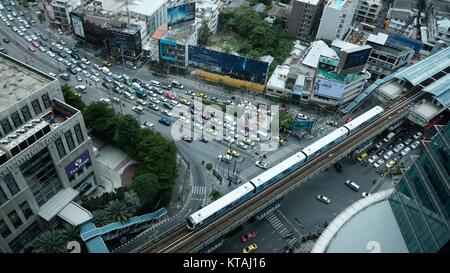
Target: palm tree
x,y
51,241
119,210
100,218
70,233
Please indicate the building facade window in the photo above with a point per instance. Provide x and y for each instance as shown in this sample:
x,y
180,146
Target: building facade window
x,y
69,140
26,210
6,126
15,219
60,147
11,183
46,100
26,112
4,229
16,119
36,107
79,134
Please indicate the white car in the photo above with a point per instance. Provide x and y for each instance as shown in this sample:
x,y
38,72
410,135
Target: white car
x,y
198,126
95,79
217,121
184,119
60,59
51,54
388,155
128,95
68,51
323,198
153,106
28,39
33,37
417,135
155,100
42,49
415,144
95,73
138,109
242,145
378,163
261,164
373,159
399,147
105,100
167,113
406,151
147,124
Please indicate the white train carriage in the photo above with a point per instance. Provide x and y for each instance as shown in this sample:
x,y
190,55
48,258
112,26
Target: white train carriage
x,y
325,143
278,171
363,119
220,206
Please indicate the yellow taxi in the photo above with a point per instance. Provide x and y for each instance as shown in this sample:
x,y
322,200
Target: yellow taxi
x,y
202,95
77,94
106,63
362,156
185,101
8,23
249,142
279,139
332,122
233,153
390,164
250,248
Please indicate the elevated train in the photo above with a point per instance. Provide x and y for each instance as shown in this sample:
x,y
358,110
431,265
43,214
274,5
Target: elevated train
x,y
277,172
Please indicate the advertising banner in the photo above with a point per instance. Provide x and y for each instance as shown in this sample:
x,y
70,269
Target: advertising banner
x,y
77,25
236,67
78,163
180,14
329,88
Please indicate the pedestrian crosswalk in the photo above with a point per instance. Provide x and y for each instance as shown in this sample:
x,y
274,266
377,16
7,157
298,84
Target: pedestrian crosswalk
x,y
199,190
278,225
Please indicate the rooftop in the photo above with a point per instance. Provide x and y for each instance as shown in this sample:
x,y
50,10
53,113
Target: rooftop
x,y
311,2
181,34
18,81
337,4
317,49
366,226
57,203
143,7
405,4
279,77
426,110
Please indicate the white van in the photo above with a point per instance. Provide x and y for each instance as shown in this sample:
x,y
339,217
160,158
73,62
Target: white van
x,y
352,185
155,83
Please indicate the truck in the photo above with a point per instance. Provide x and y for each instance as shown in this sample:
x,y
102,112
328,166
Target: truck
x,y
389,137
140,93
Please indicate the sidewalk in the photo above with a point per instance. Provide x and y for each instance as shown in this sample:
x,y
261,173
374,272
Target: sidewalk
x,y
181,188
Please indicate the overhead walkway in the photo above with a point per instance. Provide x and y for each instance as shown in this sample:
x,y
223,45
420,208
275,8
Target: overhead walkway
x,y
94,236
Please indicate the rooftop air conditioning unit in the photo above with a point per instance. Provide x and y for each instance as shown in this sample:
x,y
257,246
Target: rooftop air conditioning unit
x,y
13,136
4,141
28,125
36,121
22,131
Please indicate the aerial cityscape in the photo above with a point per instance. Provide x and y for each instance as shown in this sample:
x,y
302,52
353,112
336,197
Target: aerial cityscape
x,y
225,126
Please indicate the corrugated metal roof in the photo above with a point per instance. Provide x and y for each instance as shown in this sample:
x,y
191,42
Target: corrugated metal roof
x,y
426,68
439,87
53,206
444,99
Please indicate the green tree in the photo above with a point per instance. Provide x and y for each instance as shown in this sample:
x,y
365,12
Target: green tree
x,y
51,241
70,232
100,218
127,129
119,211
209,166
204,36
285,120
146,186
101,118
215,194
72,99
24,3
41,17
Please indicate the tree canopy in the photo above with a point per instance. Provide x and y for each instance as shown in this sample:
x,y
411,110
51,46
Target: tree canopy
x,y
127,129
146,186
102,118
204,35
72,99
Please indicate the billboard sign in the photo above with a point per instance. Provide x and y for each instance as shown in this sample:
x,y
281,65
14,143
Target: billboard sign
x,y
236,67
329,88
77,24
302,125
77,163
181,13
354,60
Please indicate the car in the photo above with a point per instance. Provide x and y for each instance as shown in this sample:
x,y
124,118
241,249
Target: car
x,y
42,49
408,141
155,100
186,138
262,164
233,153
45,38
59,59
79,78
388,154
68,51
76,94
211,131
415,144
399,147
397,158
417,135
248,236
147,124
105,100
187,121
106,63
166,112
33,37
406,151
31,48
381,152
108,85
94,78
128,95
390,163
164,121
51,54
242,145
249,248
138,109
85,61
365,194
279,139
28,38
198,126
249,142
142,102
323,198
332,122
362,156
81,88
74,55
202,95
185,101
372,159
5,40
378,163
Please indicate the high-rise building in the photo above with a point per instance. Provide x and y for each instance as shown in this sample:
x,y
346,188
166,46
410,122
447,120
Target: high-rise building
x,y
367,11
304,19
421,202
46,156
337,18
